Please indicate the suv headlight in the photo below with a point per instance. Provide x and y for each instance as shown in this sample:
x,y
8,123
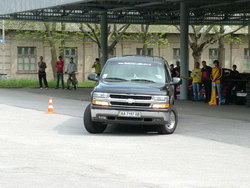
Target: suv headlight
x,y
160,98
99,99
161,102
100,95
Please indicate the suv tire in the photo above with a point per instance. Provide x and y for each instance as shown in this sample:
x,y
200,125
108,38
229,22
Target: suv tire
x,y
170,127
91,126
248,87
248,97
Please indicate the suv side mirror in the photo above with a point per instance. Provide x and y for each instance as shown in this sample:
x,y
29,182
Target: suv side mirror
x,y
176,81
93,77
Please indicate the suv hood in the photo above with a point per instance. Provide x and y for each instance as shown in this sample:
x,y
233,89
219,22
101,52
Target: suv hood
x,y
131,88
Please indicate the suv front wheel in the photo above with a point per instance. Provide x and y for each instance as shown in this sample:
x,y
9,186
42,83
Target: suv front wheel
x,y
91,126
170,127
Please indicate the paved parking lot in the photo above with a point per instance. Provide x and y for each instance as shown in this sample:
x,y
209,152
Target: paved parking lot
x,y
210,148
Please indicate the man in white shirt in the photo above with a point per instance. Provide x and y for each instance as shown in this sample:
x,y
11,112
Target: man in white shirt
x,y
71,70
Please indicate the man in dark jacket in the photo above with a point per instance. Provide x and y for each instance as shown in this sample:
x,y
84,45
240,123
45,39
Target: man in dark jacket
x,y
235,73
206,72
41,73
177,69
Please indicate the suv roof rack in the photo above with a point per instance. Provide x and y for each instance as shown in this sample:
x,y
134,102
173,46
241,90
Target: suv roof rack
x,y
134,55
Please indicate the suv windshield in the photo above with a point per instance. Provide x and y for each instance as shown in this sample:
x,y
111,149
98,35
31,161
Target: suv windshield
x,y
134,71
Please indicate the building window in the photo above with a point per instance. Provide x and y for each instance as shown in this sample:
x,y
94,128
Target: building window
x,y
149,51
246,59
112,53
68,53
213,55
26,59
176,55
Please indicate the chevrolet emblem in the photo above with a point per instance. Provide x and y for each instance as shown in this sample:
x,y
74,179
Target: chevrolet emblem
x,y
130,101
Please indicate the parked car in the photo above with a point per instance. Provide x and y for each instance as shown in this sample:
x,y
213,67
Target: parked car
x,y
239,92
133,90
233,87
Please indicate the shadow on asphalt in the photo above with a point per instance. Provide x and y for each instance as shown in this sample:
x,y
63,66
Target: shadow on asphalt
x,y
75,126
72,126
79,94
130,129
230,111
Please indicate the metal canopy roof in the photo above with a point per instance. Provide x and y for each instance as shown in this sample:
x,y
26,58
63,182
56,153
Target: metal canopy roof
x,y
167,12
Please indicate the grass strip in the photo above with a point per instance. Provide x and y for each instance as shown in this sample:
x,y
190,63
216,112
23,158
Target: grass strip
x,y
34,83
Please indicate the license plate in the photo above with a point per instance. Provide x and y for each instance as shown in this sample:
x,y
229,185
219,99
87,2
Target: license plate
x,y
241,94
129,114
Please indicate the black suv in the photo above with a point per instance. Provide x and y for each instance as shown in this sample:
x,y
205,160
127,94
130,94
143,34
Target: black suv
x,y
133,90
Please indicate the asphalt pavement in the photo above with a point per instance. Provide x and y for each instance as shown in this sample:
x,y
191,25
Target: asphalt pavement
x,y
210,147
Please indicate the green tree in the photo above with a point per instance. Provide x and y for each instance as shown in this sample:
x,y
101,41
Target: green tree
x,y
221,51
93,33
150,35
145,37
56,33
46,32
203,36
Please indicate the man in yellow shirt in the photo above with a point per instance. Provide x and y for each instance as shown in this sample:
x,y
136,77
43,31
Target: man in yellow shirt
x,y
196,75
97,66
216,76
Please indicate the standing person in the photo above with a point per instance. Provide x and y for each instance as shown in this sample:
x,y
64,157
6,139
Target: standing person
x,y
196,75
235,73
173,73
59,72
216,82
206,73
97,66
41,73
178,69
71,70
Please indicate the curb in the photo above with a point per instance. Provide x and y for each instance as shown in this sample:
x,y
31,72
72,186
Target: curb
x,y
18,87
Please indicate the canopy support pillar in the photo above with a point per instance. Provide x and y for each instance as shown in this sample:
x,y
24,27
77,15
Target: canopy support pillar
x,y
184,50
104,38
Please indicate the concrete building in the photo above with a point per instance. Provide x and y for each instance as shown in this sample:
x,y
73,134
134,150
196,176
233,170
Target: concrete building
x,y
19,57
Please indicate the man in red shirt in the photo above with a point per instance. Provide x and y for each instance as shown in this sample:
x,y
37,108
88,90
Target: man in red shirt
x,y
59,72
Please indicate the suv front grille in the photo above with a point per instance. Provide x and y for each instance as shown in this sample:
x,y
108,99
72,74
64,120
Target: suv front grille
x,y
130,100
139,97
130,104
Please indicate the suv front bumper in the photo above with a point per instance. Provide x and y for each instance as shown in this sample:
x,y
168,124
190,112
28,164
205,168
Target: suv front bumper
x,y
109,115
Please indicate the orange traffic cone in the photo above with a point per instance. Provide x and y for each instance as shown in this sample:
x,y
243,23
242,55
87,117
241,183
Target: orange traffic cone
x,y
50,107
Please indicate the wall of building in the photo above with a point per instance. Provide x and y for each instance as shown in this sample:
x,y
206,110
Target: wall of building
x,y
87,52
